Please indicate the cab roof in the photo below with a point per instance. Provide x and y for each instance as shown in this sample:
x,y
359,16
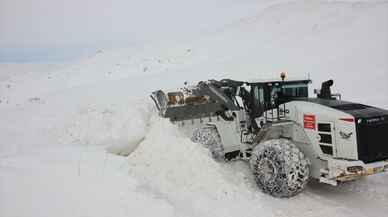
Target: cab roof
x,y
278,81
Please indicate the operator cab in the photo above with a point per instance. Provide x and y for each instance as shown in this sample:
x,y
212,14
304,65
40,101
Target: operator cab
x,y
268,95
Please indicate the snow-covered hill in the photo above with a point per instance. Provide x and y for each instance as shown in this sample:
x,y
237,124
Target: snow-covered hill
x,y
56,123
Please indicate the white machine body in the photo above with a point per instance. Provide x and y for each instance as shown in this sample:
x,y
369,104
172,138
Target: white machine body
x,y
342,141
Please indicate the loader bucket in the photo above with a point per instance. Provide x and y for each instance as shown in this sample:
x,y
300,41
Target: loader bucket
x,y
177,106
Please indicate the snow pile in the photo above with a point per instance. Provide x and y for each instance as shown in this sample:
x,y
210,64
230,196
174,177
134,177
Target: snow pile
x,y
73,181
120,127
169,164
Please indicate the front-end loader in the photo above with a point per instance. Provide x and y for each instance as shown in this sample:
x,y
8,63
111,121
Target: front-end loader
x,y
286,136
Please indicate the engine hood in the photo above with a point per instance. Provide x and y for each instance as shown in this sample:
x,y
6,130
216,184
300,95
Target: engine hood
x,y
355,109
371,125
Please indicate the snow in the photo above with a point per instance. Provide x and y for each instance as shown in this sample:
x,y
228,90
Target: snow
x,y
57,121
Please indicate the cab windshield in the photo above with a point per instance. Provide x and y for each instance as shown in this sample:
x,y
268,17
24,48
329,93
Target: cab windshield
x,y
295,90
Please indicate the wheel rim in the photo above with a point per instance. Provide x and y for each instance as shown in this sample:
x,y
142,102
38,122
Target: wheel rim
x,y
267,170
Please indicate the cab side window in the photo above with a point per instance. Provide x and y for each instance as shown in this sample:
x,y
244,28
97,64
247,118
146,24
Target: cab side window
x,y
300,90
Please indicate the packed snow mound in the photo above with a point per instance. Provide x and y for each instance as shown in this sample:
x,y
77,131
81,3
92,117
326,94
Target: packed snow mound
x,y
121,127
169,164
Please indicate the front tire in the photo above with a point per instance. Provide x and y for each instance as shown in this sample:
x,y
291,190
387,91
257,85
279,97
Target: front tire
x,y
279,168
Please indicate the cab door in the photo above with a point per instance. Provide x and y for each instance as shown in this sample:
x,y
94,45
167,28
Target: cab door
x,y
258,102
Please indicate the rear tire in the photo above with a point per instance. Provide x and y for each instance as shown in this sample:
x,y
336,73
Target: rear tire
x,y
279,168
210,138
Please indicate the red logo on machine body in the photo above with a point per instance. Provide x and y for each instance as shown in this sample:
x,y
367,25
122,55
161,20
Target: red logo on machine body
x,y
309,122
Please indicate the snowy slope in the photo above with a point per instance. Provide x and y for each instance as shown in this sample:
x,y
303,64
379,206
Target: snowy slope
x,y
56,123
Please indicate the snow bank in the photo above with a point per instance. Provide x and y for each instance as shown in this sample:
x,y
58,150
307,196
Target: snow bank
x,y
73,181
121,127
169,164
